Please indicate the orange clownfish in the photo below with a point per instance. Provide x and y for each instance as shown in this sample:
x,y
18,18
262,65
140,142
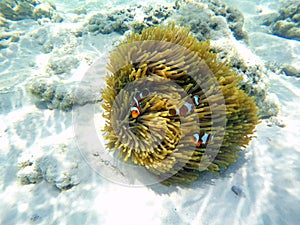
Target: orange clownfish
x,y
135,108
135,111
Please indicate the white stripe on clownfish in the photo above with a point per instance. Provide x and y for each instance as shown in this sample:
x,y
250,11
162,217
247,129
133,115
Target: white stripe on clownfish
x,y
204,139
135,111
185,109
196,100
188,107
136,102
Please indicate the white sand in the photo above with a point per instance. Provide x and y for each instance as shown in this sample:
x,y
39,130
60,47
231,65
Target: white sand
x,y
268,172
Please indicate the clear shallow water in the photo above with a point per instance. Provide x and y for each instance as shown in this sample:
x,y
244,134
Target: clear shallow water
x,y
267,173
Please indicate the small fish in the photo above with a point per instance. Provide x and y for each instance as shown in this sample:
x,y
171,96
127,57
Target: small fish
x,y
135,109
201,139
187,108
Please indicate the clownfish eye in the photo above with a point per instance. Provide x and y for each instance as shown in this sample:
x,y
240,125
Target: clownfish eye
x,y
135,112
172,112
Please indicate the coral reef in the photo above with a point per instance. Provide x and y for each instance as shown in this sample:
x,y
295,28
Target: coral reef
x,y
64,46
210,20
290,70
164,126
59,95
206,25
286,23
62,64
12,11
29,9
52,95
8,37
62,175
133,18
234,17
254,72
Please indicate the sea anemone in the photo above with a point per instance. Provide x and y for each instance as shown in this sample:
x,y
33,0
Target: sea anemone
x,y
172,107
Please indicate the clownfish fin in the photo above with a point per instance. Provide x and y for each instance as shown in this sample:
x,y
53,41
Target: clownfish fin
x,y
197,140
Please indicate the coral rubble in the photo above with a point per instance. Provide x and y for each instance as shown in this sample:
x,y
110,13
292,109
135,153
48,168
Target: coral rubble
x,y
133,18
62,175
286,23
210,20
59,95
29,9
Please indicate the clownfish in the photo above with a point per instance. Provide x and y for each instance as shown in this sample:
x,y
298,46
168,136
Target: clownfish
x,y
135,109
188,107
199,140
